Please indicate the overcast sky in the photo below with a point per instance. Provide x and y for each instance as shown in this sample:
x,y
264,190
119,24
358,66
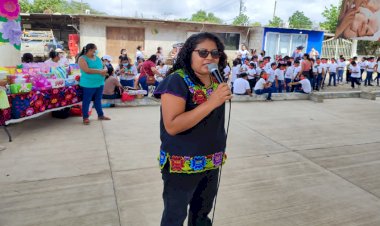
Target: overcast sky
x,y
257,10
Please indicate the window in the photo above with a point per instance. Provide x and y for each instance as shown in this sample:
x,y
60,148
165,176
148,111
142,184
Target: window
x,y
283,43
230,40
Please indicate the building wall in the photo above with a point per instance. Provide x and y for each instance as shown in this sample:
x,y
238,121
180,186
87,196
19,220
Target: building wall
x,y
315,38
256,39
163,34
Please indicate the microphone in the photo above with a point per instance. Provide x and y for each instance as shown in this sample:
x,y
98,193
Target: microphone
x,y
213,69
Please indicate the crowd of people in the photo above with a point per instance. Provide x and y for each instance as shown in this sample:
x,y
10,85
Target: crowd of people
x,y
257,73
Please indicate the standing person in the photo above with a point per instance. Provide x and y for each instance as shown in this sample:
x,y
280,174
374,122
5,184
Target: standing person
x,y
370,68
234,72
193,138
355,74
162,69
227,72
244,52
123,54
325,67
363,67
298,52
341,67
160,55
107,59
139,53
280,77
320,73
289,75
333,70
91,81
147,72
251,75
306,66
272,75
314,54
378,71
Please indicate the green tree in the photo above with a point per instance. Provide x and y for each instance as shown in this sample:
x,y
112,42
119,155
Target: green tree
x,y
25,6
331,15
368,47
256,24
56,6
242,19
299,20
203,16
275,22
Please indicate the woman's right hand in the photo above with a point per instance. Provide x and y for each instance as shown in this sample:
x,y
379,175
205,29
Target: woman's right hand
x,y
220,95
104,72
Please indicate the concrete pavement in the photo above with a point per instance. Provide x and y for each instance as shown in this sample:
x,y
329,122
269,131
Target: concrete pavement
x,y
289,163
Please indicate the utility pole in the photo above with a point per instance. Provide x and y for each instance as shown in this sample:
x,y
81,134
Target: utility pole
x,y
241,7
275,7
121,7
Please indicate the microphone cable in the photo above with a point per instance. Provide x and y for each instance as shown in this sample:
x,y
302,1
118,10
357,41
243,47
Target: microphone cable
x,y
221,166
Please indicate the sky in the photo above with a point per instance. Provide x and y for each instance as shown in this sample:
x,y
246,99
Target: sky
x,y
257,10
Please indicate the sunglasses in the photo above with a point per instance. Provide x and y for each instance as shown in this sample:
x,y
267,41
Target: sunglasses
x,y
204,53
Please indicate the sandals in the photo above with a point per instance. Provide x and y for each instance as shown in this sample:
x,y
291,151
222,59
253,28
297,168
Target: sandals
x,y
104,118
86,121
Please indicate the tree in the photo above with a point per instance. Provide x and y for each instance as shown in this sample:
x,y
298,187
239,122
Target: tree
x,y
56,6
331,15
242,19
25,6
203,16
256,24
276,22
299,20
368,48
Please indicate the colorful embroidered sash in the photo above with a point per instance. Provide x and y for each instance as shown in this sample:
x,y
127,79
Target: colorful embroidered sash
x,y
189,165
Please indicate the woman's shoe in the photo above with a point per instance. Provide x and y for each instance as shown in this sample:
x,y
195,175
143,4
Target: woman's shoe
x,y
104,118
86,121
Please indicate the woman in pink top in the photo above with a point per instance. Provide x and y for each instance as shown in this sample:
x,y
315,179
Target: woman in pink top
x,y
306,66
148,69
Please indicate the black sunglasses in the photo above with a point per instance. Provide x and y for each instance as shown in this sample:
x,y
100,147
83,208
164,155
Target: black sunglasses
x,y
204,53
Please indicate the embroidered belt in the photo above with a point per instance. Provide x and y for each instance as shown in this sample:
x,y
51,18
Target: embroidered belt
x,y
189,165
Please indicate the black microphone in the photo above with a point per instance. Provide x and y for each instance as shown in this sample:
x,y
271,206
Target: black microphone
x,y
213,69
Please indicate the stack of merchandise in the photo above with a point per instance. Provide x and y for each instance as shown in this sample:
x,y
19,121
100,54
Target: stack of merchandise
x,y
34,87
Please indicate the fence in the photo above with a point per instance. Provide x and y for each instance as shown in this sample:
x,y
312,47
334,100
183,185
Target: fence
x,y
333,48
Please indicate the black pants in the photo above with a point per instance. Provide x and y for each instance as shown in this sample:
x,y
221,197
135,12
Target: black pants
x,y
355,80
252,83
180,190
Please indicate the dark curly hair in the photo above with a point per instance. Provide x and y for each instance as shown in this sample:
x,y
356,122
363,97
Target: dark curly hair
x,y
184,56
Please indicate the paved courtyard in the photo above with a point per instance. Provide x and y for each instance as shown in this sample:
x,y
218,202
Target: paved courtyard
x,y
290,163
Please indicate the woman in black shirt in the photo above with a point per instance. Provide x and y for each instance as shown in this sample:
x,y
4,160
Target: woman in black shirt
x,y
192,131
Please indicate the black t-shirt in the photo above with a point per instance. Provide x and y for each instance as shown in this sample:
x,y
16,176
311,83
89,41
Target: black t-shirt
x,y
205,138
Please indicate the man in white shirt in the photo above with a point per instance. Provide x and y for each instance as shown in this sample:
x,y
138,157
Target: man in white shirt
x,y
355,74
263,86
341,66
280,77
252,74
363,64
333,69
271,75
235,71
320,73
241,85
370,68
305,85
289,75
325,67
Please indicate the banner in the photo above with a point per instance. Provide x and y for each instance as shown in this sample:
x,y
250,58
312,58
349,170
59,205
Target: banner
x,y
359,19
